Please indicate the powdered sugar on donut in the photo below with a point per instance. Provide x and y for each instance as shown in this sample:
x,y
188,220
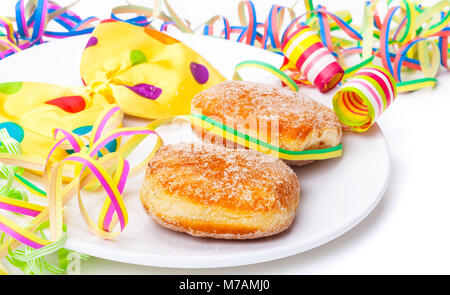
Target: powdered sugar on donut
x,y
303,123
234,179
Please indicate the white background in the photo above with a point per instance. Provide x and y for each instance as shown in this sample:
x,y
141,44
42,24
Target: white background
x,y
408,232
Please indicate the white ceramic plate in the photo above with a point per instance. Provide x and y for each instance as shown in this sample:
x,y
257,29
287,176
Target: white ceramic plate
x,y
336,194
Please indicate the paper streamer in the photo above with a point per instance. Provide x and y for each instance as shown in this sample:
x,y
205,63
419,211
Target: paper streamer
x,y
411,26
3,270
32,18
364,97
87,167
203,122
34,262
90,171
313,59
15,200
268,68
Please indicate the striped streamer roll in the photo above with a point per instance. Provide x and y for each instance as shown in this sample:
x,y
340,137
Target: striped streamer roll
x,y
305,50
364,97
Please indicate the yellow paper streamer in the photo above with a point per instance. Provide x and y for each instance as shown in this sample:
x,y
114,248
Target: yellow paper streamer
x,y
3,270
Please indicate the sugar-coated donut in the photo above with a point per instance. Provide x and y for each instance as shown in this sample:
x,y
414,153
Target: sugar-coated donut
x,y
274,114
206,190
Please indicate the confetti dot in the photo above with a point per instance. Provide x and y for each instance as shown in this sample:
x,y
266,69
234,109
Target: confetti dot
x,y
10,87
14,130
200,73
161,37
146,90
70,104
137,57
91,42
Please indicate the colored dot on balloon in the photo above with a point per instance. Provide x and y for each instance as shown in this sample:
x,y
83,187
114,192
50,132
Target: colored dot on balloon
x,y
200,73
70,104
84,130
108,20
14,130
146,90
137,57
10,87
161,37
91,42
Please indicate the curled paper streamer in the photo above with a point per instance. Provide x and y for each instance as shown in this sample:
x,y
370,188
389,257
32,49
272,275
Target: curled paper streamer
x,y
3,270
29,260
31,20
305,50
9,199
203,122
268,68
410,27
88,167
364,97
89,171
33,261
